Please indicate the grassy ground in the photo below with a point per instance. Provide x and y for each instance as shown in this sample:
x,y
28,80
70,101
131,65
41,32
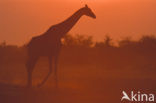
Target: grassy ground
x,y
77,84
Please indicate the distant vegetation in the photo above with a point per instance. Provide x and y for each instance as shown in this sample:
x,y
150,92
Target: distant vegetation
x,y
80,50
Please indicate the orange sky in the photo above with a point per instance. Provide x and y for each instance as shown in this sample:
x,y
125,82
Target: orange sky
x,y
22,19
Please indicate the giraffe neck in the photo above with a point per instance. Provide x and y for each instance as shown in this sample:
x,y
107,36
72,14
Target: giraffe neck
x,y
67,25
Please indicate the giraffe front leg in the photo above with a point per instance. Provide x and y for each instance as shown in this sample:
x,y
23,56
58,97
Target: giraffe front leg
x,y
50,71
29,83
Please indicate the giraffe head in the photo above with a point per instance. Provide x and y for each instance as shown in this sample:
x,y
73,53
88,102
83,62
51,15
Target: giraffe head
x,y
88,12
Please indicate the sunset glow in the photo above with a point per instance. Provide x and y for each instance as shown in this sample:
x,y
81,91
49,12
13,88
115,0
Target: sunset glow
x,y
20,20
77,51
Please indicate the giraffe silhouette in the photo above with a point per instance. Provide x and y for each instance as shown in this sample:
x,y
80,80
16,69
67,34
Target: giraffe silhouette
x,y
49,44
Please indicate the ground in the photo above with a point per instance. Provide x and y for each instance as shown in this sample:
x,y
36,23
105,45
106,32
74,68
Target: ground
x,y
77,84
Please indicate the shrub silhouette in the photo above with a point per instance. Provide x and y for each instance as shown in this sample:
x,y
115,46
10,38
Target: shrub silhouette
x,y
80,50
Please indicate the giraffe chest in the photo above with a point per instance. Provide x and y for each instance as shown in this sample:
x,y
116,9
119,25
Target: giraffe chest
x,y
50,48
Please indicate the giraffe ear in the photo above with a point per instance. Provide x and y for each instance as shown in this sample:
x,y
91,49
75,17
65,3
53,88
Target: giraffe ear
x,y
86,6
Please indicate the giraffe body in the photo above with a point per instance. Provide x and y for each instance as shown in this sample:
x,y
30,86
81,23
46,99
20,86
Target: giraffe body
x,y
49,43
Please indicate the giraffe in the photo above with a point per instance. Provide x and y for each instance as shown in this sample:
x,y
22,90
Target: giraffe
x,y
49,44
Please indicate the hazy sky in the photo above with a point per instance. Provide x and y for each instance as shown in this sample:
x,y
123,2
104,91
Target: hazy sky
x,y
22,19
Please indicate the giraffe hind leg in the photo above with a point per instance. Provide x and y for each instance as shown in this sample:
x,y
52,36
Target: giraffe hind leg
x,y
56,70
30,66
